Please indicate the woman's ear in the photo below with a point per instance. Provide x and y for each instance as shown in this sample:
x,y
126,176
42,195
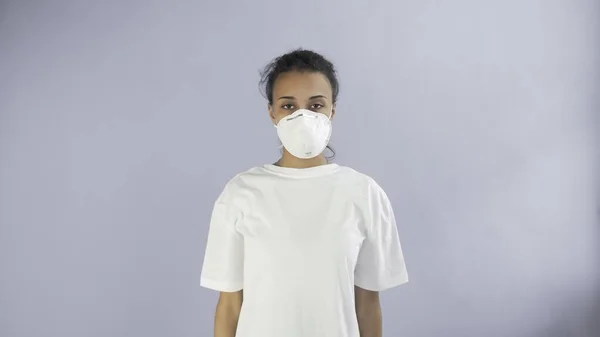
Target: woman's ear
x,y
332,112
271,114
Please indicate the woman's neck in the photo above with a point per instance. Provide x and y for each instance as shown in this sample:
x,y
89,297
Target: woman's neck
x,y
288,160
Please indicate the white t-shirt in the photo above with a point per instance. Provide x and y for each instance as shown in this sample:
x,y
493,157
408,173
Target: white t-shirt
x,y
297,241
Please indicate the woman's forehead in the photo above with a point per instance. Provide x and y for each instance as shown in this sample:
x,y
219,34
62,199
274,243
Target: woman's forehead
x,y
301,85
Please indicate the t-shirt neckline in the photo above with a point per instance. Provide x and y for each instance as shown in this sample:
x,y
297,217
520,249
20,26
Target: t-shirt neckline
x,y
315,171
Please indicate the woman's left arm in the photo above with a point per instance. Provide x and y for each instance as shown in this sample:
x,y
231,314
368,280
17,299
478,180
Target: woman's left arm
x,y
368,312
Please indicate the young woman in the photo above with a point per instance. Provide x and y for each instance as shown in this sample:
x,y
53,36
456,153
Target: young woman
x,y
301,248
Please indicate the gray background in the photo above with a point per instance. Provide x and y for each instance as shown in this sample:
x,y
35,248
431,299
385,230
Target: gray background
x,y
121,121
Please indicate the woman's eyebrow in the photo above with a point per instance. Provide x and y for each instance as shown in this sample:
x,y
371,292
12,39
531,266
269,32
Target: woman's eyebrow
x,y
311,98
286,97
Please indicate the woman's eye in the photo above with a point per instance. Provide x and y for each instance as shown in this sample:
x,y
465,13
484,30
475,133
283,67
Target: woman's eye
x,y
287,106
317,106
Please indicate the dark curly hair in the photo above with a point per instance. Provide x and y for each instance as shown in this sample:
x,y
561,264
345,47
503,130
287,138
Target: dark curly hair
x,y
301,60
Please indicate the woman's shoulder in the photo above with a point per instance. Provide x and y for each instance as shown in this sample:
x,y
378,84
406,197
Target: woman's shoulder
x,y
238,179
360,177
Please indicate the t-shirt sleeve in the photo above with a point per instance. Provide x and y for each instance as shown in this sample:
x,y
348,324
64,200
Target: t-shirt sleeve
x,y
223,265
380,262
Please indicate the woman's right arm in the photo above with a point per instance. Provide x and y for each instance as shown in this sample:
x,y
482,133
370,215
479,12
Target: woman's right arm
x,y
228,313
223,267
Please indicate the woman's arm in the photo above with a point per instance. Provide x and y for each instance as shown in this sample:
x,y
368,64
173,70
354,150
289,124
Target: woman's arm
x,y
368,312
228,313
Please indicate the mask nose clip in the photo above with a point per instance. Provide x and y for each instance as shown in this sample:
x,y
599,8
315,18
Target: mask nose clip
x,y
304,113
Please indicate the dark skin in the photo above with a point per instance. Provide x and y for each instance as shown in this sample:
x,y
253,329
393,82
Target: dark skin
x,y
293,91
301,90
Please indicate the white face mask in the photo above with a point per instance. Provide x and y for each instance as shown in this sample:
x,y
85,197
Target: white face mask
x,y
305,134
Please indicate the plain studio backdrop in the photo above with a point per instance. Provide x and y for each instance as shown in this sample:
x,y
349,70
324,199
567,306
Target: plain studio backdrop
x,y
121,121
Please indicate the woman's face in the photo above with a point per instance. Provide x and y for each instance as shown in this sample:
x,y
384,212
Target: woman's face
x,y
301,90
